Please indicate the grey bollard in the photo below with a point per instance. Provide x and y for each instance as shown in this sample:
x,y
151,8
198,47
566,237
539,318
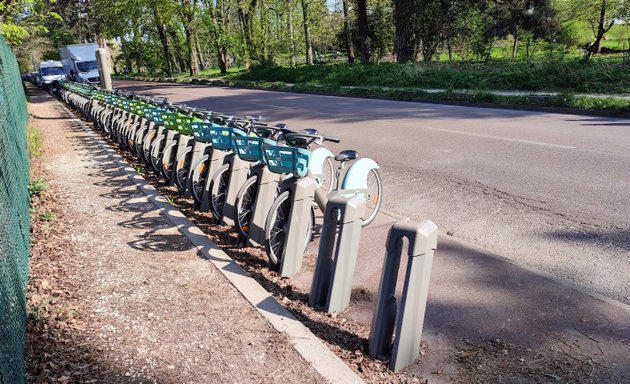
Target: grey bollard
x,y
267,192
301,206
410,318
104,69
334,273
239,171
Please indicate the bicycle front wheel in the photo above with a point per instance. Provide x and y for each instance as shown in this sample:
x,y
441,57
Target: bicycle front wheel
x,y
198,179
168,158
245,201
219,189
182,168
276,229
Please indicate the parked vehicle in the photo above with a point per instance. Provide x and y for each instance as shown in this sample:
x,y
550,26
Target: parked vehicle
x,y
79,63
50,72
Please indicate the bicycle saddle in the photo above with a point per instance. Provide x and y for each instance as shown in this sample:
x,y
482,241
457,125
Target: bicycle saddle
x,y
346,155
281,125
311,131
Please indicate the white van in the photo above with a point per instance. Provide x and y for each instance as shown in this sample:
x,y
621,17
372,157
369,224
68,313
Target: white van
x,y
49,72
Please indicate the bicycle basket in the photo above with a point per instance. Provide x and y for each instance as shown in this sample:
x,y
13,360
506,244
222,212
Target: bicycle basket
x,y
201,130
222,138
250,148
183,124
287,159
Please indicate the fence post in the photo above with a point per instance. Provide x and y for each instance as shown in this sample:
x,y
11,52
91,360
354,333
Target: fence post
x,y
410,318
338,247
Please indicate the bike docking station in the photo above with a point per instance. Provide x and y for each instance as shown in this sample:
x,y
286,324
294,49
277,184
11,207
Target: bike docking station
x,y
293,161
237,173
153,131
222,146
339,244
201,146
405,321
250,149
183,141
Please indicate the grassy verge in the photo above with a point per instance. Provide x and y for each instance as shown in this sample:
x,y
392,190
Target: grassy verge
x,y
461,82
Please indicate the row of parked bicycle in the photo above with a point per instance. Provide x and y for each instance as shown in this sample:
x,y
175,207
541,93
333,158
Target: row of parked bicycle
x,y
244,171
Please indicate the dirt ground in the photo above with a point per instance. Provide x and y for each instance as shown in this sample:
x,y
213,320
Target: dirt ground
x,y
117,295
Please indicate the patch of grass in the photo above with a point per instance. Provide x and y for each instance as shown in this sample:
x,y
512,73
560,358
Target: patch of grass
x,y
553,75
139,168
37,186
169,200
34,142
47,216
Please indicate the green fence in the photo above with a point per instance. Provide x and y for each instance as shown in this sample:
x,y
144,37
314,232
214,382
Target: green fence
x,y
14,218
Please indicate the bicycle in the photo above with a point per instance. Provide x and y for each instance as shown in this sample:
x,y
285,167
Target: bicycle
x,y
362,177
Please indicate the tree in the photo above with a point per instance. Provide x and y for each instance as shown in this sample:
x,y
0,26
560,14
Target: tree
x,y
514,17
23,18
307,33
362,19
347,32
188,13
404,11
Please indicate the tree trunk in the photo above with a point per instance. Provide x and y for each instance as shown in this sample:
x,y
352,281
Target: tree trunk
x,y
307,34
200,60
348,33
292,39
217,34
192,51
159,23
602,28
363,31
515,45
403,12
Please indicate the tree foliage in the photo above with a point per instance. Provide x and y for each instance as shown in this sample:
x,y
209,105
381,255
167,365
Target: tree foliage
x,y
170,36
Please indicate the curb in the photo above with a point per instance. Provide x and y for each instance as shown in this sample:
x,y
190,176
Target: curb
x,y
311,348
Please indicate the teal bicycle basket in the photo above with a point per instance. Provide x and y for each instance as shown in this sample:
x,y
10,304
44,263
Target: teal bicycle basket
x,y
250,148
281,159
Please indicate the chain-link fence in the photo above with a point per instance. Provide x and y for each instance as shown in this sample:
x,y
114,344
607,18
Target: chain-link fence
x,y
14,218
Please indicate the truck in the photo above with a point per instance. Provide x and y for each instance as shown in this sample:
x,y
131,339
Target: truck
x,y
49,72
79,63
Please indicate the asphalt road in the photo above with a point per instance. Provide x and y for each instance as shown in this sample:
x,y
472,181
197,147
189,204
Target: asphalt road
x,y
548,191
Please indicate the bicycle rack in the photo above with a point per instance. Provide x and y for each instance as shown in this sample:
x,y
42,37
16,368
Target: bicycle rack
x,y
338,247
267,191
303,192
409,320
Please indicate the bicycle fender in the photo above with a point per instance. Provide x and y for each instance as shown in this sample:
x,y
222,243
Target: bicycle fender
x,y
356,177
318,155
